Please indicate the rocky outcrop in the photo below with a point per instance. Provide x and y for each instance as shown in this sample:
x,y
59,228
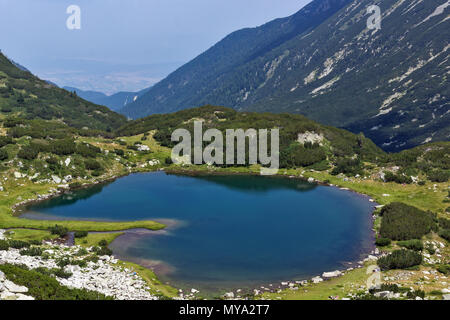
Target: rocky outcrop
x,y
11,291
104,276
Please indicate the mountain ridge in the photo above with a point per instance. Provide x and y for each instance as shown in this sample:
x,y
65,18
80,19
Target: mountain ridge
x,y
389,84
115,101
26,96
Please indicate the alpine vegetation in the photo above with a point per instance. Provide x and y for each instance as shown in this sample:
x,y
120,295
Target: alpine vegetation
x,y
234,153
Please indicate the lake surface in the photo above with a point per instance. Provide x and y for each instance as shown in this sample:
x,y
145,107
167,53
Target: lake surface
x,y
226,232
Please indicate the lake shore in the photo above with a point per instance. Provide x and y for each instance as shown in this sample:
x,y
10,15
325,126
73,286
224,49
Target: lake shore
x,y
318,177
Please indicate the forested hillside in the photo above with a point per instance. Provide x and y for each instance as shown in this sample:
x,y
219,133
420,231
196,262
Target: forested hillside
x,y
26,96
323,62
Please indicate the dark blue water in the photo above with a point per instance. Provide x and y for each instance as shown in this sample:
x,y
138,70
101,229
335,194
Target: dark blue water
x,y
227,231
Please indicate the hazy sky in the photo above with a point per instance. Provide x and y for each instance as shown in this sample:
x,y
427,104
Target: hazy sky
x,y
123,44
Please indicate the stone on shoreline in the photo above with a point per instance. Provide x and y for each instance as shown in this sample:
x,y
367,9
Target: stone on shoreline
x,y
334,274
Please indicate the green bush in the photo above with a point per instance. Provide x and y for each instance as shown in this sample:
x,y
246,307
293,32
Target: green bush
x,y
119,152
81,252
168,161
444,268
444,223
18,244
349,167
415,244
103,251
59,230
383,242
60,273
75,185
439,175
5,140
62,262
400,259
63,147
103,243
397,178
445,234
403,222
33,252
415,293
28,153
4,245
92,164
87,150
81,234
3,155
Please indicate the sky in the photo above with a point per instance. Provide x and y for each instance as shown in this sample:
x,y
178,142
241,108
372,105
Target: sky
x,y
123,45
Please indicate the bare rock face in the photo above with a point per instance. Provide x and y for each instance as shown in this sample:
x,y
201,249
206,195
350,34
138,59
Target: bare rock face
x,y
11,287
311,137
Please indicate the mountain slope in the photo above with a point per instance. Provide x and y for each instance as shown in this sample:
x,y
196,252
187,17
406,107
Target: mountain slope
x,y
326,144
194,82
391,84
24,95
115,102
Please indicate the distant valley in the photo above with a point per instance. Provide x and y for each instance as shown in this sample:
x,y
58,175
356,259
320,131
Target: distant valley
x,y
115,102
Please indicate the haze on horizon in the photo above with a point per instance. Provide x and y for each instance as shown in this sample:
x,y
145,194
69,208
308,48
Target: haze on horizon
x,y
123,46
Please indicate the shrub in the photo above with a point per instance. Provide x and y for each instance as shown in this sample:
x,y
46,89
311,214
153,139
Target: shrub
x,y
75,185
103,243
42,286
33,252
92,164
400,259
348,167
415,245
133,147
445,234
103,251
403,222
439,176
444,268
119,152
383,242
4,245
81,234
389,287
5,140
62,262
444,223
3,155
59,230
18,244
87,150
28,153
63,147
416,293
430,248
97,173
397,178
60,273
81,252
